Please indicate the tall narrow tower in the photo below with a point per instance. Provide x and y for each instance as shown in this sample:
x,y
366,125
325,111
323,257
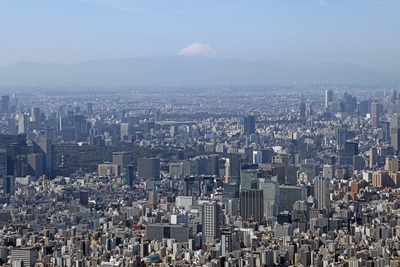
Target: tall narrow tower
x,y
302,108
249,124
322,192
328,97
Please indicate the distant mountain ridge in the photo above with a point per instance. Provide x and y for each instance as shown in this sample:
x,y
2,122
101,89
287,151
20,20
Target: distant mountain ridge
x,y
188,69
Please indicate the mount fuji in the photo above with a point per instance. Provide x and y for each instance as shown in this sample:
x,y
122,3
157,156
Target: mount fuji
x,y
200,50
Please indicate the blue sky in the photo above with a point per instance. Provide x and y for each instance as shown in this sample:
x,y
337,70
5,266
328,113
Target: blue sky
x,y
363,32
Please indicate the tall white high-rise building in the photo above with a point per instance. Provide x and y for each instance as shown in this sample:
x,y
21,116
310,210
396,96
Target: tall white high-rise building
x,y
22,123
328,97
322,192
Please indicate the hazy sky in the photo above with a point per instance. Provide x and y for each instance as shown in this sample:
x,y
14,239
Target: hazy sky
x,y
365,32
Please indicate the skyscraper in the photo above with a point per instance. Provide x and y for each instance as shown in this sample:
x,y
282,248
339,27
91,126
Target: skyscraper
x,y
328,97
376,110
5,104
45,147
252,205
271,197
248,179
122,159
373,157
302,108
9,185
126,132
211,222
230,240
89,108
35,117
22,123
340,131
395,138
128,174
149,168
249,124
322,192
232,168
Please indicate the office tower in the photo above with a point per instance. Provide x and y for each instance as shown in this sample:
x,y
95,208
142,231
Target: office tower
x,y
385,125
68,134
35,165
5,104
82,196
376,110
122,159
248,179
178,232
128,174
81,127
126,132
393,96
214,159
45,147
395,138
89,106
17,150
9,185
3,162
328,98
341,132
148,126
35,116
252,205
17,164
373,157
232,168
257,157
262,156
392,164
11,126
289,194
211,222
230,240
232,206
350,102
271,197
328,171
358,163
152,200
351,148
362,108
322,192
302,108
157,115
394,121
149,168
108,169
249,124
26,257
191,186
22,123
176,169
201,165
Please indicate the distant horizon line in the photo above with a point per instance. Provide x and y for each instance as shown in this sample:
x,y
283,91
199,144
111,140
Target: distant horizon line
x,y
198,57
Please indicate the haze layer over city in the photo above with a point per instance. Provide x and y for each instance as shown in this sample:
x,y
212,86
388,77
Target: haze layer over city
x,y
199,133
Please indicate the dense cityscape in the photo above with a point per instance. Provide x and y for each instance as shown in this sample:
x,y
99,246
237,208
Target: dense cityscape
x,y
273,175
